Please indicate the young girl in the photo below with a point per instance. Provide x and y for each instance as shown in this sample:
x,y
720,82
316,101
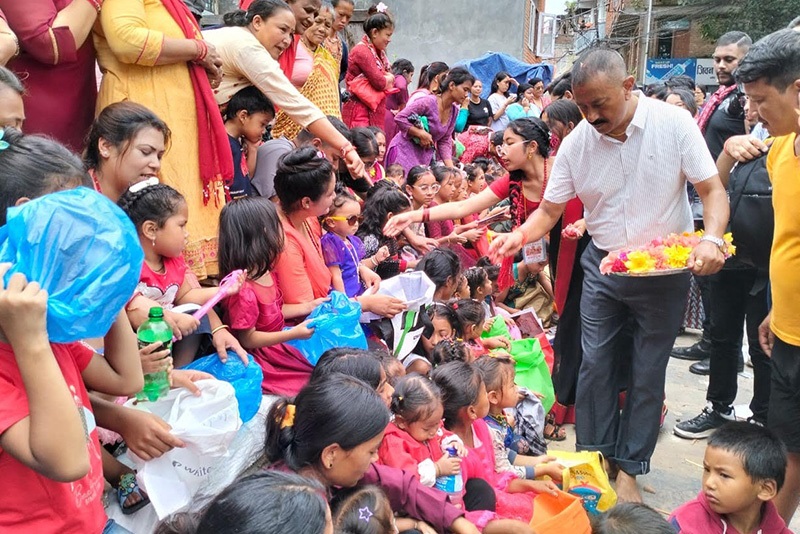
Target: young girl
x,y
367,510
160,214
251,238
377,172
344,252
445,231
413,440
481,288
396,174
498,374
465,405
358,363
259,503
444,269
378,208
472,317
451,350
476,179
421,187
444,325
49,447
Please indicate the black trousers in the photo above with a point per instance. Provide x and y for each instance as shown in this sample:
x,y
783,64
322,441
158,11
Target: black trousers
x,y
738,298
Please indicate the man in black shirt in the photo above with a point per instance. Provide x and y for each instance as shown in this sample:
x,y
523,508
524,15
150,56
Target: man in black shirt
x,y
722,117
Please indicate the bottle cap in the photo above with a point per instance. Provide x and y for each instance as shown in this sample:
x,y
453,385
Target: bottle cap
x,y
155,312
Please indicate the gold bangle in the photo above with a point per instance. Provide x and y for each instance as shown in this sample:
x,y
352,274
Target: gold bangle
x,y
220,327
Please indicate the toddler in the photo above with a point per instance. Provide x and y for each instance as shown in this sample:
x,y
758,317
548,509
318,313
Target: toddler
x,y
396,174
367,510
743,469
343,251
450,350
414,440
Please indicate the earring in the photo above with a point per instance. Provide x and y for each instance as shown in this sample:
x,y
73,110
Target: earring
x,y
104,154
154,241
530,155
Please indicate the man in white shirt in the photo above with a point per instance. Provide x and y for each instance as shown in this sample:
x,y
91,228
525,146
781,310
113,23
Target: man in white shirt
x,y
628,162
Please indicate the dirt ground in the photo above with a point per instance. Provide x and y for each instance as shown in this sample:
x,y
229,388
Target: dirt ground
x,y
677,465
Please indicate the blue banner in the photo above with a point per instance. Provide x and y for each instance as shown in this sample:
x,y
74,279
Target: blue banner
x,y
660,70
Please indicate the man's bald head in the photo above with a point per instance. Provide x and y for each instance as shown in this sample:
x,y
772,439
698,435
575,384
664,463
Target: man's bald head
x,y
599,61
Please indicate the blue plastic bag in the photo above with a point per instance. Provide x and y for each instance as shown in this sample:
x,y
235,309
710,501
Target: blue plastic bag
x,y
246,381
336,324
83,250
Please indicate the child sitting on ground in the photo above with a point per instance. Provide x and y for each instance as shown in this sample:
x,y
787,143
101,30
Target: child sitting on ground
x,y
159,214
498,374
472,317
413,440
743,469
251,238
367,510
631,518
246,118
452,350
343,250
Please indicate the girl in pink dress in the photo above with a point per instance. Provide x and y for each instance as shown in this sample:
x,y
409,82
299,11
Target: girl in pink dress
x,y
251,238
465,405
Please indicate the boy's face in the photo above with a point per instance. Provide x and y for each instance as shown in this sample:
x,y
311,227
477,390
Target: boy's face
x,y
726,485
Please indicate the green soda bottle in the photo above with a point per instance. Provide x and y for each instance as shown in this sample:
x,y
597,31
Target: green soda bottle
x,y
154,330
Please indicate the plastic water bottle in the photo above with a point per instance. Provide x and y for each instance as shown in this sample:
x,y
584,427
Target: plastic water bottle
x,y
154,330
453,485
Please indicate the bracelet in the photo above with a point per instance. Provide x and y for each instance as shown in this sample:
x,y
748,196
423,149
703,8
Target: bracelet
x,y
220,327
524,237
374,261
426,215
97,4
202,50
725,148
346,149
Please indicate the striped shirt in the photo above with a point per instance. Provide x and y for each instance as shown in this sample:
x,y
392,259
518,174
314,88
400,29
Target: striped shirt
x,y
633,191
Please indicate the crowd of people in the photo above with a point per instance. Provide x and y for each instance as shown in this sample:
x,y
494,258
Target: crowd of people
x,y
274,147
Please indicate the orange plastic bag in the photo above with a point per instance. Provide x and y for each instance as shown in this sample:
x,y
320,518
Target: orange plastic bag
x,y
559,514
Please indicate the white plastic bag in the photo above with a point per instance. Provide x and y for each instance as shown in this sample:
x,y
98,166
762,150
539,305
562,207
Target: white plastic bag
x,y
207,425
416,290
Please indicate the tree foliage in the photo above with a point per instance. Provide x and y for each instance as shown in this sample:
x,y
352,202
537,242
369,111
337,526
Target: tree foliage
x,y
756,17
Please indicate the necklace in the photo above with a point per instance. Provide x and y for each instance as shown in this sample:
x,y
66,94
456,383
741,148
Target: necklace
x,y
351,250
541,195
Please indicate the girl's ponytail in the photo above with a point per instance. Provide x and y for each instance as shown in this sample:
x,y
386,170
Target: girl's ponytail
x,y
280,432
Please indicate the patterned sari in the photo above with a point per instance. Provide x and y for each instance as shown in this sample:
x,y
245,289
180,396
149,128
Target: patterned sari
x,y
321,88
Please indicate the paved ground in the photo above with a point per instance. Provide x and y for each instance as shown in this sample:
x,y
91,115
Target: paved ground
x,y
677,464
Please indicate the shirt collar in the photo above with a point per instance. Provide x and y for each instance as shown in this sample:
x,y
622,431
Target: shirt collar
x,y
638,121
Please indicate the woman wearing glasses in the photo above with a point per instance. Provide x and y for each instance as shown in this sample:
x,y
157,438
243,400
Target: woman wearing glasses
x,y
524,153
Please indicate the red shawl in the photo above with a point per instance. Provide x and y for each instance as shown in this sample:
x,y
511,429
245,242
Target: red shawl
x,y
712,105
216,163
567,250
288,57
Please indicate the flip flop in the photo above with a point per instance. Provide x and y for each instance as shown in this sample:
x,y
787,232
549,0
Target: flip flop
x,y
127,487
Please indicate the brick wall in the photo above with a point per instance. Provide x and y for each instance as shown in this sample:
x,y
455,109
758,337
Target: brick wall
x,y
528,54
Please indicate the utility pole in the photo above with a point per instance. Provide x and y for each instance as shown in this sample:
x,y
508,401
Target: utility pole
x,y
646,36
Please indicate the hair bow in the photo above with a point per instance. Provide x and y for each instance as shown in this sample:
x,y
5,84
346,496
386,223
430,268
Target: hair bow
x,y
288,417
381,8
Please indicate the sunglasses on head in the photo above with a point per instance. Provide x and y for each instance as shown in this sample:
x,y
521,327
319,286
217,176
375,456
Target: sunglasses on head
x,y
352,220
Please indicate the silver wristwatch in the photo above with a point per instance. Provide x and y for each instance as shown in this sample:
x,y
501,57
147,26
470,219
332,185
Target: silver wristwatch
x,y
713,239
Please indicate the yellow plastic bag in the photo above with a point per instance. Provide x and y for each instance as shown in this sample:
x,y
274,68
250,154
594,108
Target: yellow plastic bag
x,y
585,477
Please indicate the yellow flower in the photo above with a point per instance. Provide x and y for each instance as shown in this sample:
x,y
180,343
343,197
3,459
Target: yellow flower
x,y
677,256
729,246
640,262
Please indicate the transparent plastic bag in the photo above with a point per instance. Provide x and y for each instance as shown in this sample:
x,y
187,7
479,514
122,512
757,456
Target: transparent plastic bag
x,y
81,248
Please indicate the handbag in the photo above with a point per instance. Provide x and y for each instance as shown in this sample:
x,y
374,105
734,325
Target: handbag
x,y
585,477
361,88
752,216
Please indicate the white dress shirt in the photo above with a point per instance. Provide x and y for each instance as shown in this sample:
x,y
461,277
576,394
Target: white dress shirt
x,y
633,191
